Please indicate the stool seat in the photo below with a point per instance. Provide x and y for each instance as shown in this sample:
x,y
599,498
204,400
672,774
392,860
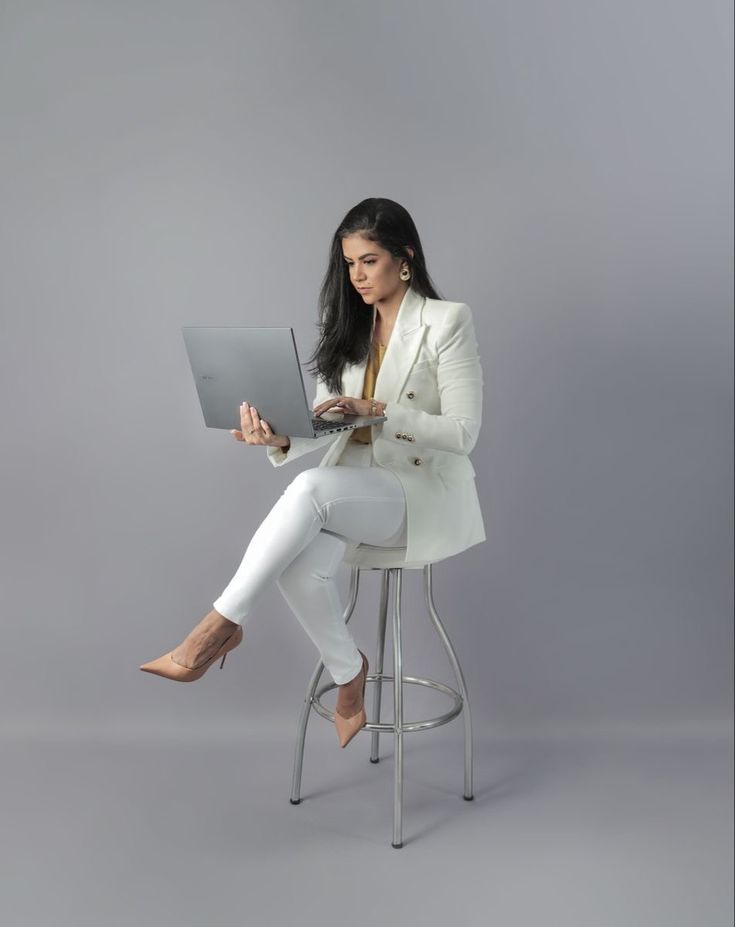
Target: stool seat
x,y
391,561
375,557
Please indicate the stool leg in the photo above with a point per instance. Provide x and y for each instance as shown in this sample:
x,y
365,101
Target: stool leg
x,y
309,699
398,713
444,637
378,690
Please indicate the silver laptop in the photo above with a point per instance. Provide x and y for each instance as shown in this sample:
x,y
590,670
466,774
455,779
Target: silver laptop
x,y
259,366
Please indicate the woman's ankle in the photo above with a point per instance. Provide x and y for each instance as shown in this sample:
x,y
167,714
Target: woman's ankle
x,y
225,622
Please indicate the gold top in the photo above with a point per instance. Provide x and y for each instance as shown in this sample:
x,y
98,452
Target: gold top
x,y
365,435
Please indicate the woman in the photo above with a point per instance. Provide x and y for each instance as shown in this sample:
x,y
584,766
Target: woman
x,y
388,346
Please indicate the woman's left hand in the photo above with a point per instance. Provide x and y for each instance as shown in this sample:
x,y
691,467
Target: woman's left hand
x,y
344,404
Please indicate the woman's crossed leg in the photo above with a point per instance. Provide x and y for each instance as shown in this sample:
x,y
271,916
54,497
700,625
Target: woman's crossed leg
x,y
300,544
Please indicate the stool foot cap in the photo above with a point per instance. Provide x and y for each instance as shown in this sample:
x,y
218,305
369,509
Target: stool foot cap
x,y
396,846
468,797
374,761
296,801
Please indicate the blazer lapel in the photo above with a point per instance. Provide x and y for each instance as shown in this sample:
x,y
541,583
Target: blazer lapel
x,y
403,346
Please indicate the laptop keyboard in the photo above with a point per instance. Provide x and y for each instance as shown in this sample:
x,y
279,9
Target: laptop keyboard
x,y
321,424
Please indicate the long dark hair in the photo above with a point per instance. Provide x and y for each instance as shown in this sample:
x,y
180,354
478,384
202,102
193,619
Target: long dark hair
x,y
344,324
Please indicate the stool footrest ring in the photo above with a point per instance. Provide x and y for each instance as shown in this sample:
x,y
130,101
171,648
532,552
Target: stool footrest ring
x,y
408,726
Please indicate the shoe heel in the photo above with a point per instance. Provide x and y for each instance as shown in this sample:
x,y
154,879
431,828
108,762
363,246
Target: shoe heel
x,y
237,631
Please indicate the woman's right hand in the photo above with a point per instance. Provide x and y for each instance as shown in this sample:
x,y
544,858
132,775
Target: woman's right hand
x,y
257,431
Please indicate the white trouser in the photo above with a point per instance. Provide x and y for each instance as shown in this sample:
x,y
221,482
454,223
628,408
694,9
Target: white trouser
x,y
301,542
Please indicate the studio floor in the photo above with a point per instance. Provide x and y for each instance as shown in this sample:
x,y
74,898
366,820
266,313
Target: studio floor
x,y
125,831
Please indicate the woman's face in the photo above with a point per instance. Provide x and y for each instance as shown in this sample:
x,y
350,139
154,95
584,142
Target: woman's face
x,y
373,270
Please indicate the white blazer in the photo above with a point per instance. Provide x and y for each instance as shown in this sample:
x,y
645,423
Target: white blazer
x,y
431,379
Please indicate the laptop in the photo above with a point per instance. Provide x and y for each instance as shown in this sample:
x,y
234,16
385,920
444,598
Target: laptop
x,y
259,366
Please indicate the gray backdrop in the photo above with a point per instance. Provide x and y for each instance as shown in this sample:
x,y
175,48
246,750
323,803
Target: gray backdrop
x,y
568,166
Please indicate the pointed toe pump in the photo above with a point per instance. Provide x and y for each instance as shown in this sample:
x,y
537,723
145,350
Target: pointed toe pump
x,y
347,728
166,665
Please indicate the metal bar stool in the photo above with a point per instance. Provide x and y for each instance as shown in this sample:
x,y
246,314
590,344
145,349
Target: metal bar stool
x,y
391,562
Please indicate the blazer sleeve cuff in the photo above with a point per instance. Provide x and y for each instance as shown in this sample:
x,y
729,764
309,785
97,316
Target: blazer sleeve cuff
x,y
409,427
276,456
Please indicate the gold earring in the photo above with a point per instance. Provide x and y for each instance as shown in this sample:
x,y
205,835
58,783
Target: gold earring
x,y
405,273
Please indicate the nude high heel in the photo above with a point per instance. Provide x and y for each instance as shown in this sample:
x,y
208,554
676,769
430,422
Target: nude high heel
x,y
166,665
347,728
